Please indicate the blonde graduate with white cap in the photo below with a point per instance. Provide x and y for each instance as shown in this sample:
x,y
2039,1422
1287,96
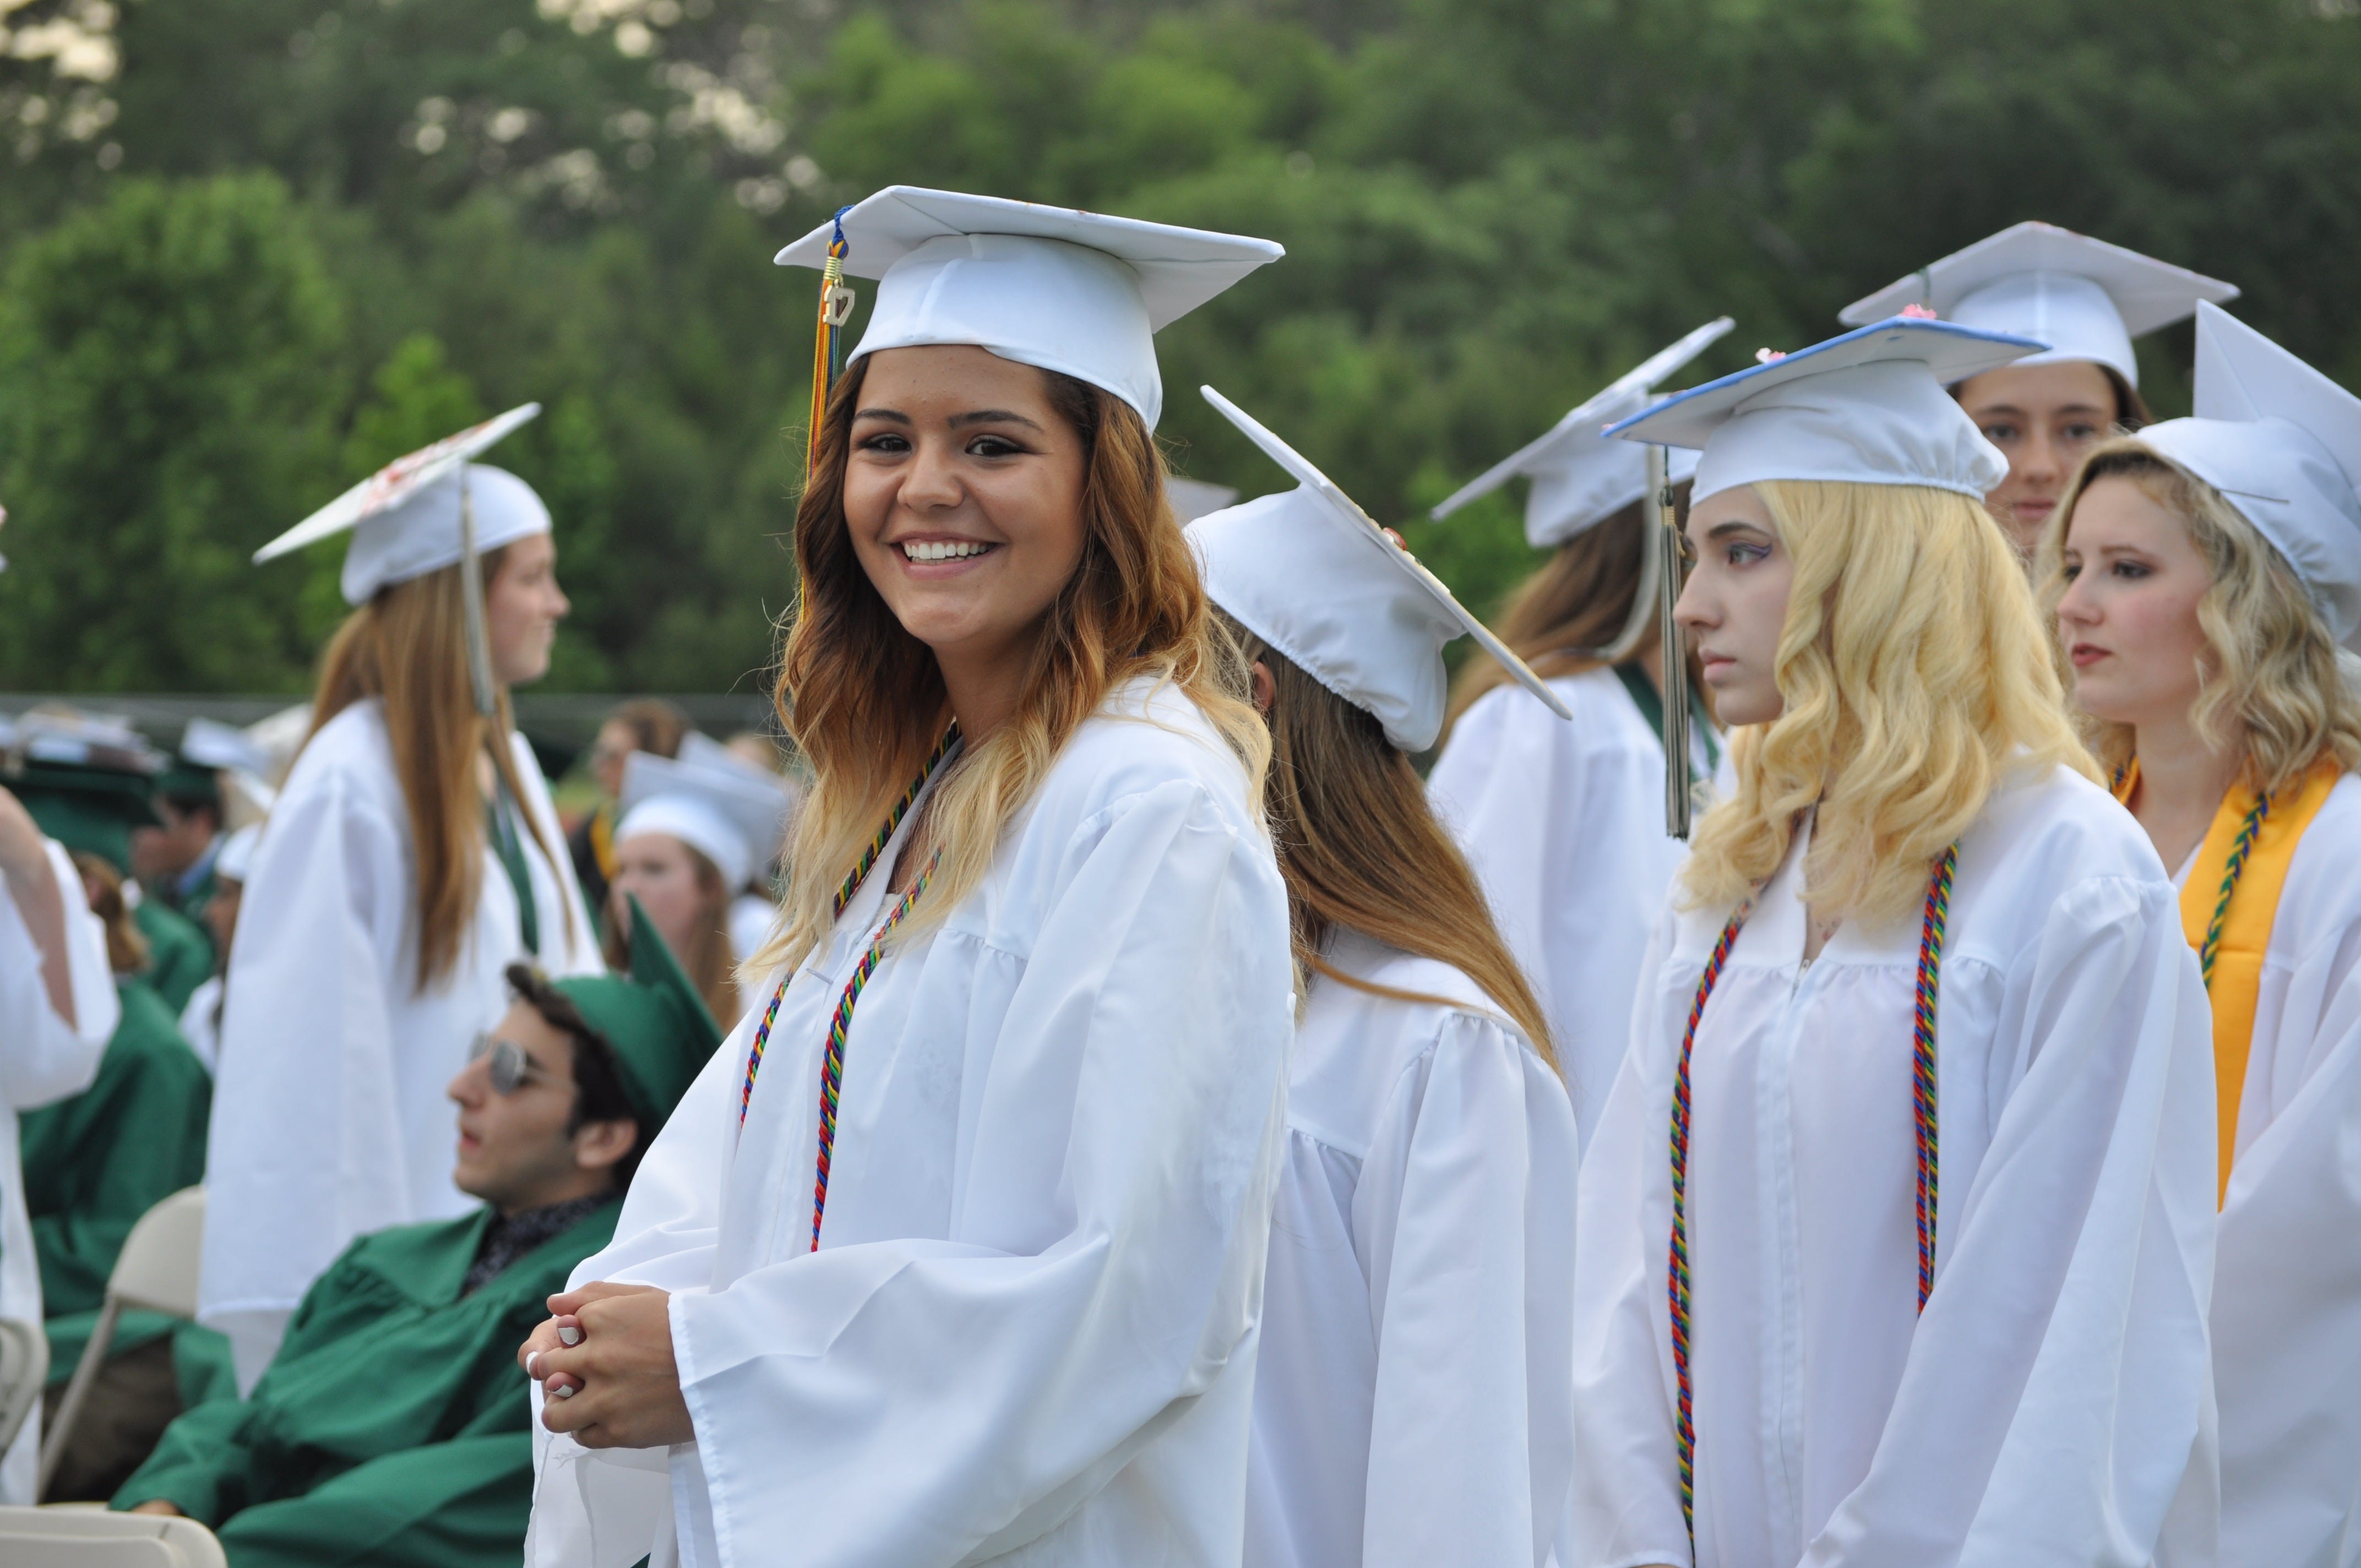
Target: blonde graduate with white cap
x,y
1413,1403
2207,580
2084,297
1563,822
689,836
1896,1233
410,856
954,1254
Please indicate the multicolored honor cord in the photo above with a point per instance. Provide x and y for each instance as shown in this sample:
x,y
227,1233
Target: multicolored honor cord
x,y
1923,1106
835,309
850,885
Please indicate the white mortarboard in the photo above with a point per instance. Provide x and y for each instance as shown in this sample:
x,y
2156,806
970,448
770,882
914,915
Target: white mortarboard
x,y
236,857
1081,294
728,815
405,517
1867,408
2083,297
1309,573
2282,443
1580,478
210,743
1193,498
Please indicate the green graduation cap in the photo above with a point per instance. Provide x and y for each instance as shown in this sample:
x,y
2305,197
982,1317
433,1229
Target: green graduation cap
x,y
654,1023
87,808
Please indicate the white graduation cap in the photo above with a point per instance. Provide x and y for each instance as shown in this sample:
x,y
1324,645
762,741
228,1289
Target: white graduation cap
x,y
2282,443
1867,408
2084,297
729,815
1081,294
210,743
1309,573
1193,498
425,511
1580,478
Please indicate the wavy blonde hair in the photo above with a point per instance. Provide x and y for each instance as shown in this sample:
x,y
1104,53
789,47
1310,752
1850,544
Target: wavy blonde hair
x,y
1915,673
2270,685
864,699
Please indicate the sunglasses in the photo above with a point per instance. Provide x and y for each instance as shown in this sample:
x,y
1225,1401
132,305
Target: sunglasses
x,y
510,1069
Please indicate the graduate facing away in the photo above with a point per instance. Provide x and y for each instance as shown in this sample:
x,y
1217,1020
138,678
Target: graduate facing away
x,y
1896,1235
954,1253
2207,582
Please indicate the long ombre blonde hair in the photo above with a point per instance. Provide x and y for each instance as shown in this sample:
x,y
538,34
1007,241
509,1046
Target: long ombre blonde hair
x,y
1359,847
864,701
2271,686
407,647
1573,604
1914,674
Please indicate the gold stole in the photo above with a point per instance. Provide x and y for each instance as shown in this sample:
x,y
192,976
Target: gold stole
x,y
2237,978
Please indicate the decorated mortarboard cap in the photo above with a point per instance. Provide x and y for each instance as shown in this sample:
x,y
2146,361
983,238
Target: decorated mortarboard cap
x,y
2282,443
653,1021
1580,478
1866,408
1080,294
1312,575
732,815
405,517
2084,297
1193,498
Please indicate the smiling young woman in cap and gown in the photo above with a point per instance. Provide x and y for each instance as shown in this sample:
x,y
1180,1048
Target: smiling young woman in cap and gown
x,y
1564,823
58,1008
1412,1402
411,855
1896,1233
2207,580
2086,300
959,1241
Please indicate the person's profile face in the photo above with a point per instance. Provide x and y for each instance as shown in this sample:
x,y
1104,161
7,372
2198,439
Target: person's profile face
x,y
962,495
522,604
1734,604
2128,617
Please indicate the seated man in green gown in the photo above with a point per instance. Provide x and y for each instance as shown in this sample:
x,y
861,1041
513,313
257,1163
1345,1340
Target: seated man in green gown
x,y
392,1426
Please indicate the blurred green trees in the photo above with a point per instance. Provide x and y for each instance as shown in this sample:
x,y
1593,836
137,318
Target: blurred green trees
x,y
425,209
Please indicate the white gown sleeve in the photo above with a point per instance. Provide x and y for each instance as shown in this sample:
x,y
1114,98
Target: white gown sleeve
x,y
305,1149
2051,1403
43,1058
1465,1211
2287,1291
933,1402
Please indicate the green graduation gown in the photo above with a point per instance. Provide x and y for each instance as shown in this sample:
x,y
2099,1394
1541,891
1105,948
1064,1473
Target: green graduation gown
x,y
96,1162
392,1426
179,953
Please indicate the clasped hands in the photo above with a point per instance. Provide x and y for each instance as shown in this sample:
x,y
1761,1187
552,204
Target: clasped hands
x,y
605,1365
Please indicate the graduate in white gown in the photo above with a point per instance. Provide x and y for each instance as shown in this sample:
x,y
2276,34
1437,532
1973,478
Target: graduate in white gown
x,y
1413,1403
1896,1237
2205,574
2084,297
1564,823
413,854
955,1251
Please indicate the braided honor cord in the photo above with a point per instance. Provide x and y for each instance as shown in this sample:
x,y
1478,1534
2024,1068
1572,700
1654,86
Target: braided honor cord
x,y
852,885
1923,1084
2240,848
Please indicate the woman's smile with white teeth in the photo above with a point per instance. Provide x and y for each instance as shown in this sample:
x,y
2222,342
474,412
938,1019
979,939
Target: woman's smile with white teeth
x,y
942,549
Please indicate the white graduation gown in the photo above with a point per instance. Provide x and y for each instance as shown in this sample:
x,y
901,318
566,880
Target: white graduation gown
x,y
43,1059
329,1114
1564,824
2286,1288
750,925
2044,1408
1412,1398
1028,1334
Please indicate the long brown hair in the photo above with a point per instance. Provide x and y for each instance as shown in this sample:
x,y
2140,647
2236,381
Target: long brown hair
x,y
407,647
864,699
1360,848
707,958
126,946
1576,602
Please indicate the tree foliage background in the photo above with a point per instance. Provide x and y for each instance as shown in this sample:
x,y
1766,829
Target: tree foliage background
x,y
249,249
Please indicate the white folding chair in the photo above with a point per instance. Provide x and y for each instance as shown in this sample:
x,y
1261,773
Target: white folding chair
x,y
156,1272
24,1370
76,1536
